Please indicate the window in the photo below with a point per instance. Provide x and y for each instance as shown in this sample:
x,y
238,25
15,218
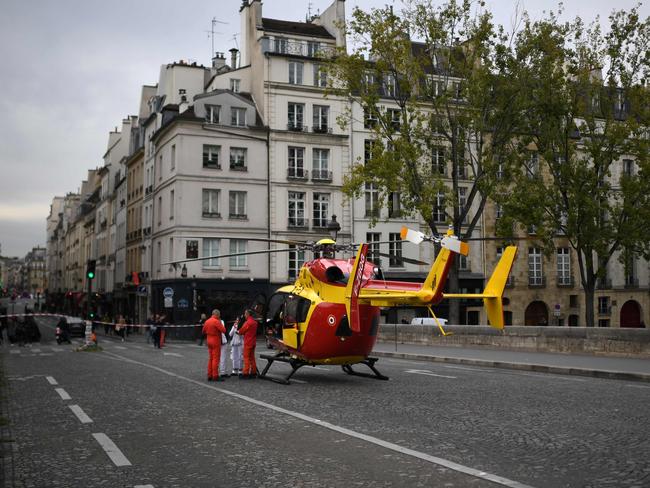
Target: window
x,y
462,202
320,161
297,209
159,211
628,167
295,73
394,205
369,147
395,250
211,156
439,214
238,117
390,89
395,118
457,90
173,158
235,84
212,114
171,205
320,76
295,114
211,203
281,45
499,211
533,164
372,200
159,254
535,277
171,249
237,204
511,279
435,87
369,117
321,118
438,162
312,48
463,263
211,248
160,167
238,158
373,238
368,82
563,266
296,167
296,260
191,249
603,306
238,246
321,205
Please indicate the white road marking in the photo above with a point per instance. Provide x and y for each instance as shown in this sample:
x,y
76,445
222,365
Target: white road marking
x,y
639,386
143,486
81,415
428,373
45,354
138,347
121,348
175,354
56,349
342,430
51,380
14,352
37,350
63,394
112,450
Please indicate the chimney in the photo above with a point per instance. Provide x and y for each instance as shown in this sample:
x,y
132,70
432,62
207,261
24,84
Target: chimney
x,y
233,58
219,61
183,105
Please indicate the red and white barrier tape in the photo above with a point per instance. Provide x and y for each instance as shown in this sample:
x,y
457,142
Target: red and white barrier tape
x,y
166,326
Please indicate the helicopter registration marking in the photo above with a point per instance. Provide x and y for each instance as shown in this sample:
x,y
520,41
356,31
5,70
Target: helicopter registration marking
x,y
429,373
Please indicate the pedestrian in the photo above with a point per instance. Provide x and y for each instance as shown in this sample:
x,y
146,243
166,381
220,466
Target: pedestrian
x,y
149,322
155,334
236,343
201,322
120,327
223,359
249,331
214,329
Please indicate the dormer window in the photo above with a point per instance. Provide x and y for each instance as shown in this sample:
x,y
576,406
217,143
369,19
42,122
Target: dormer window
x,y
295,73
212,114
238,117
281,45
234,85
312,49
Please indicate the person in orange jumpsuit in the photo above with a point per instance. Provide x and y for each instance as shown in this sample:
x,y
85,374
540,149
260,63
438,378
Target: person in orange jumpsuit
x,y
249,331
213,328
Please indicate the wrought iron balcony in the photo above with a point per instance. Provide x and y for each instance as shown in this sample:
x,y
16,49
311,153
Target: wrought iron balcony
x,y
298,223
321,175
536,281
565,281
297,174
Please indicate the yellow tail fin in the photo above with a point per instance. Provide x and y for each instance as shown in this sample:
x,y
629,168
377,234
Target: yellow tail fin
x,y
495,286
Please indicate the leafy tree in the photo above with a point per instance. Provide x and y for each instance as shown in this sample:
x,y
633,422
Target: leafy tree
x,y
449,116
585,111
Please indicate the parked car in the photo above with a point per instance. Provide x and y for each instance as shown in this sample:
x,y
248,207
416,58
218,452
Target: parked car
x,y
428,321
76,326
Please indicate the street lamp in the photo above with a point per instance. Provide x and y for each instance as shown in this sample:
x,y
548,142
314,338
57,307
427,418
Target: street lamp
x,y
184,272
333,227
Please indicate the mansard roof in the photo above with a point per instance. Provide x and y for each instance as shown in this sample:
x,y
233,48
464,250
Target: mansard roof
x,y
298,28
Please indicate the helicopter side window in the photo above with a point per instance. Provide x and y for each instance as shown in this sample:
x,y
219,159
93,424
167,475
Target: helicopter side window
x,y
295,310
274,309
335,274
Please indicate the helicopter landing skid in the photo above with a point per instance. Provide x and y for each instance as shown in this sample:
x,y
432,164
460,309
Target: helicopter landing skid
x,y
283,357
370,362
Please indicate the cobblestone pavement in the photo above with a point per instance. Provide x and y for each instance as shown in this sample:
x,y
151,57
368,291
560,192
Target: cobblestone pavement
x,y
325,430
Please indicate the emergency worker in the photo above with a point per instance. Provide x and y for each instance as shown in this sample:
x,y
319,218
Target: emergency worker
x,y
213,330
249,331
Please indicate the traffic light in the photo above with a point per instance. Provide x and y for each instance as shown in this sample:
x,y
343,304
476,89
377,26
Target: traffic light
x,y
90,269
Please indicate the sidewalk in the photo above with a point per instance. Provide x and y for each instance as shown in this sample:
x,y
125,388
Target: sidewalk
x,y
572,364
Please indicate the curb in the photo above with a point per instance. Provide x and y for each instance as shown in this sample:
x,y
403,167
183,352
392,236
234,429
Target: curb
x,y
538,368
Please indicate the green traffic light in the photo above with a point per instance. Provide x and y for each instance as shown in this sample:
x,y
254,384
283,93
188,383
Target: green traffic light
x,y
91,275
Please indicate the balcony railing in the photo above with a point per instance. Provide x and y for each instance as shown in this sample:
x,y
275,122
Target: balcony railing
x,y
298,223
631,282
604,310
604,284
321,175
297,174
212,164
321,129
211,215
297,127
536,281
565,281
237,216
295,48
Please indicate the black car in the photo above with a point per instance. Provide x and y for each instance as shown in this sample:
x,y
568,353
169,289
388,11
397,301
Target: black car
x,y
76,326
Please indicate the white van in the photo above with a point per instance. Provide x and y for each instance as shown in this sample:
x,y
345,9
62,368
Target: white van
x,y
428,321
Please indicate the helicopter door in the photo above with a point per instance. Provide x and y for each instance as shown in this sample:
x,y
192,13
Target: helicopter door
x,y
295,313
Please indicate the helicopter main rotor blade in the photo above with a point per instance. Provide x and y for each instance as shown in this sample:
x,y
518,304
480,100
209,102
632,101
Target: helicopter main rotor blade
x,y
248,253
256,239
403,259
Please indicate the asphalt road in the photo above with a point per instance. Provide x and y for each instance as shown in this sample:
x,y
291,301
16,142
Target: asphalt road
x,y
135,416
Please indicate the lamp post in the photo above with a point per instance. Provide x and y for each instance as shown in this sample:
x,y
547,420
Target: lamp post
x,y
184,271
333,227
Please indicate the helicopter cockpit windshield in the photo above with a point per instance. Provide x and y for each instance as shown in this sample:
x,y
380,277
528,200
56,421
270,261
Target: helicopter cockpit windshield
x,y
285,310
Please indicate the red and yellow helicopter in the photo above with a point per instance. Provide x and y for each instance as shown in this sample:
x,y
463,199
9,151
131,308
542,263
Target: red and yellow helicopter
x,y
330,315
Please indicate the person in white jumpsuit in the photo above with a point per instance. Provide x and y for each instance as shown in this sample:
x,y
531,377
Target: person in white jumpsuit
x,y
223,369
236,350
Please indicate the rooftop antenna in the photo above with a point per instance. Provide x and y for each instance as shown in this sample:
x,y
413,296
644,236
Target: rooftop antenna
x,y
234,39
309,5
212,32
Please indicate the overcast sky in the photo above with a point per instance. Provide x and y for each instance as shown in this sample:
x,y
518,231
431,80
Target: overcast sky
x,y
71,70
